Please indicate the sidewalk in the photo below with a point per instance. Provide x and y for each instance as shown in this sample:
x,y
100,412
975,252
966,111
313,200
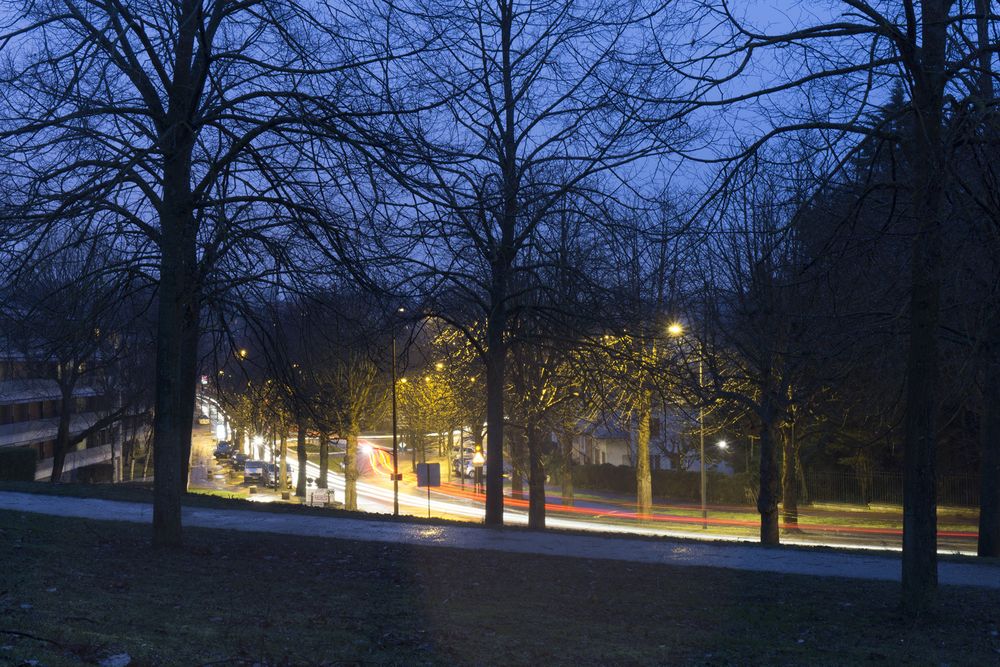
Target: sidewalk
x,y
664,552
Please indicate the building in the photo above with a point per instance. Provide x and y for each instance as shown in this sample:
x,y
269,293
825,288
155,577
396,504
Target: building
x,y
602,442
671,445
30,400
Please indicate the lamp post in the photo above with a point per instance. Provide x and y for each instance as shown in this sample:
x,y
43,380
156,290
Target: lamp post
x,y
395,442
701,444
676,330
477,461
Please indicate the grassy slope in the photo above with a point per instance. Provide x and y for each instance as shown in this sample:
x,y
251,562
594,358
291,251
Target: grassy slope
x,y
97,588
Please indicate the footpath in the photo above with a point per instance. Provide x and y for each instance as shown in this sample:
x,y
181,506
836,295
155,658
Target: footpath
x,y
814,562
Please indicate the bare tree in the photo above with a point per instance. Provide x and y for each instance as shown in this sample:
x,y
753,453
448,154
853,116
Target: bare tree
x,y
190,130
846,57
78,313
528,108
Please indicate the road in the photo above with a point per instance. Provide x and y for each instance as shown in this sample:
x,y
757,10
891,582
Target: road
x,y
824,526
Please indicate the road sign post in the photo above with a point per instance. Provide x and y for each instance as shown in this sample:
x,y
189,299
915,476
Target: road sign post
x,y
428,474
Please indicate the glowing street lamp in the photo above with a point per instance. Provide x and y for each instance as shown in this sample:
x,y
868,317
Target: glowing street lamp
x,y
478,460
676,330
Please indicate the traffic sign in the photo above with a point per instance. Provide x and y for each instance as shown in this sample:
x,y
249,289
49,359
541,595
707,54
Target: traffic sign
x,y
428,474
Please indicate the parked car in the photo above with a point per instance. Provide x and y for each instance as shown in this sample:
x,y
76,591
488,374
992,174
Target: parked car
x,y
271,475
203,420
462,461
470,470
223,450
238,459
254,471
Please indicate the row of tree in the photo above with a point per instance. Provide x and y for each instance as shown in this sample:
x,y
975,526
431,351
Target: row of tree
x,y
500,165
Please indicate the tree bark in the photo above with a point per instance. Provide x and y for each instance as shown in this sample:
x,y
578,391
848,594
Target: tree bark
x,y
168,424
767,499
919,576
496,357
282,470
189,376
451,451
516,439
302,455
61,445
989,470
351,469
790,479
536,479
324,459
643,475
567,467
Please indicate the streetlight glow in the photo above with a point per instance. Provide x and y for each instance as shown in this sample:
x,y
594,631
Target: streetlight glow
x,y
722,444
675,329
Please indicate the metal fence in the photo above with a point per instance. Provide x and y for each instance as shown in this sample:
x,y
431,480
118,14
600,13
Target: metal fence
x,y
886,488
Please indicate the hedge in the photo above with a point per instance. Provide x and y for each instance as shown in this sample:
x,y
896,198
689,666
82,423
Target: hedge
x,y
17,464
676,485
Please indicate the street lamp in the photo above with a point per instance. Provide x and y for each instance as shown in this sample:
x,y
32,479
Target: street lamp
x,y
676,330
477,461
395,441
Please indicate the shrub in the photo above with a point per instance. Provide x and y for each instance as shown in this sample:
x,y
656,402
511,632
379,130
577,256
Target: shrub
x,y
18,464
672,485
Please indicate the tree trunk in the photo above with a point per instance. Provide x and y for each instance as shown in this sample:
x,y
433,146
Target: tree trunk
x,y
351,469
496,357
516,440
168,424
922,373
189,379
282,470
451,451
989,470
567,467
413,451
643,475
324,459
536,480
790,479
767,499
61,445
302,455
989,467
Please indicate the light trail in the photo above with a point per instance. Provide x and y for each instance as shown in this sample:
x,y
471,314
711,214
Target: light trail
x,y
451,500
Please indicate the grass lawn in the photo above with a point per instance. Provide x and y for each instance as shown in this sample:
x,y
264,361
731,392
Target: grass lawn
x,y
84,590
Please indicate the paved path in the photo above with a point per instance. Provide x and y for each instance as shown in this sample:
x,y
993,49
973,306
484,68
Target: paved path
x,y
664,552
